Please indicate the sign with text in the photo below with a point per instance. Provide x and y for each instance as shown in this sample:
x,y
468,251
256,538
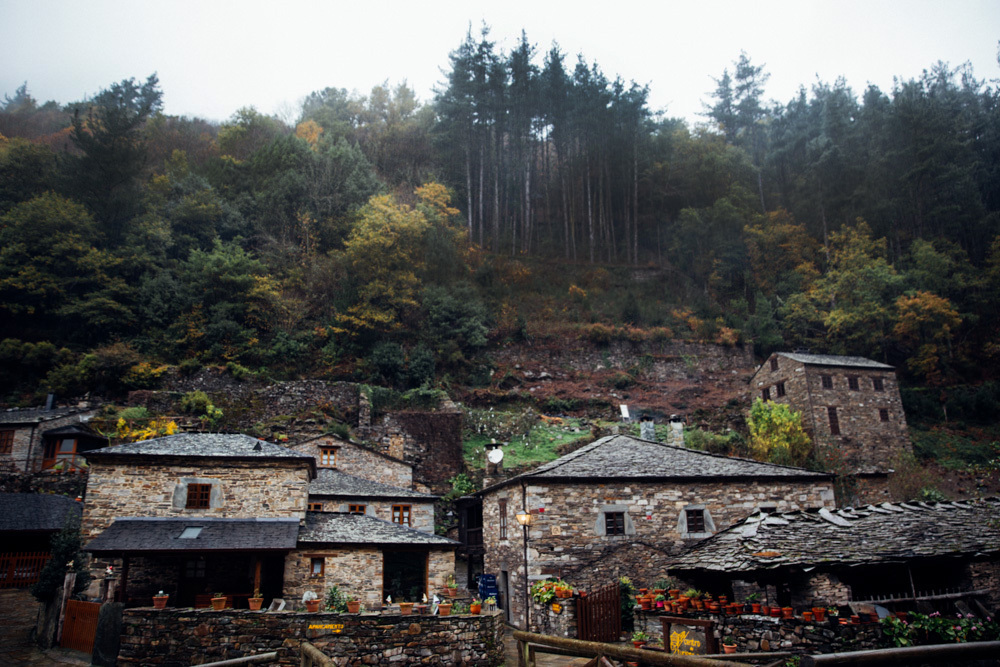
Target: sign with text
x,y
687,641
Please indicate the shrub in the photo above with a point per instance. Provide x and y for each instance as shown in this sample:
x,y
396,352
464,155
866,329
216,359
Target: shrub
x,y
195,402
189,367
599,334
238,372
389,361
335,600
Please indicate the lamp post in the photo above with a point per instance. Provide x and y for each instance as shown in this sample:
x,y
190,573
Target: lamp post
x,y
524,518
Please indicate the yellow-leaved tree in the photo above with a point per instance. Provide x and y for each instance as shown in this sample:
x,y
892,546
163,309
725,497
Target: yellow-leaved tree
x,y
776,434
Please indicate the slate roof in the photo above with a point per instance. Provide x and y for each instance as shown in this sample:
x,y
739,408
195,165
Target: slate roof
x,y
883,533
834,360
359,529
35,511
212,445
330,482
137,535
37,415
622,457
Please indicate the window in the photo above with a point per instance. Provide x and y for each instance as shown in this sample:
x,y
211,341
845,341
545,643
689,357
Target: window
x,y
852,383
781,389
883,414
356,509
317,566
194,569
502,509
877,384
328,456
834,421
695,521
190,533
774,363
765,394
767,509
614,523
60,451
6,442
315,507
198,496
401,514
827,381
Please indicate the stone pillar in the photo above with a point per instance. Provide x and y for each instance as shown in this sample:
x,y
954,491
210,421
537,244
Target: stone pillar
x,y
647,429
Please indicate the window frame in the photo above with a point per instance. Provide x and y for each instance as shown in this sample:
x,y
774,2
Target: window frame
x,y
357,509
313,562
314,507
691,522
780,389
853,383
7,440
833,419
774,363
883,415
200,499
325,454
878,384
402,512
614,523
502,513
765,394
826,381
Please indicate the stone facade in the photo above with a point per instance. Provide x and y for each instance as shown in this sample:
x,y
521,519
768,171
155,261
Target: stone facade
x,y
430,441
565,537
421,514
360,461
854,407
188,637
258,489
986,575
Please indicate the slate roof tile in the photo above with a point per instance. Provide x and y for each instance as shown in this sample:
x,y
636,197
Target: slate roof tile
x,y
834,360
35,511
344,528
37,415
154,534
330,482
214,445
852,536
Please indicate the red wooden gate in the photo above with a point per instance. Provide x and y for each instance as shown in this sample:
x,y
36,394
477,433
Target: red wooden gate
x,y
80,625
20,570
599,615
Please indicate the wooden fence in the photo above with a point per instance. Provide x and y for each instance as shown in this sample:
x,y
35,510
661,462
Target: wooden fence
x,y
80,626
599,615
20,570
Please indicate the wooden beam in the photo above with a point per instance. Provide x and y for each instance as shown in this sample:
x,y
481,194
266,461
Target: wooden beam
x,y
910,655
619,652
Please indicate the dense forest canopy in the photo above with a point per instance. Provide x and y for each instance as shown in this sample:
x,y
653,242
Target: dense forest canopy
x,y
381,237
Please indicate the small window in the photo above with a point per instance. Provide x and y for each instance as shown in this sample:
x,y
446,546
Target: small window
x,y
194,569
315,507
614,523
852,383
834,421
765,394
767,509
774,363
6,442
190,532
780,389
883,414
502,509
695,521
877,384
328,456
401,514
317,566
827,381
356,509
199,496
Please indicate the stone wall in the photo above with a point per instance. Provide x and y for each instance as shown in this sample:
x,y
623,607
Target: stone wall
x,y
566,539
760,633
866,442
547,622
189,637
870,490
430,441
421,514
361,462
248,489
986,574
72,484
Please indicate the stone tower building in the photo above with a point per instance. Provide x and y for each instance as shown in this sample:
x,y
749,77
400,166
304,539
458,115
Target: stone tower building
x,y
849,404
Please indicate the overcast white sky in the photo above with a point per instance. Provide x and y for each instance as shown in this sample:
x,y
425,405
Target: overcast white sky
x,y
214,57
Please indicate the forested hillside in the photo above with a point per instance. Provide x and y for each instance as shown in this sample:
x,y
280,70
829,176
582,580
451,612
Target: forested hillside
x,y
379,237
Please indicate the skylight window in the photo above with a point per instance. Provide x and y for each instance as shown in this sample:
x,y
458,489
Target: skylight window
x,y
190,532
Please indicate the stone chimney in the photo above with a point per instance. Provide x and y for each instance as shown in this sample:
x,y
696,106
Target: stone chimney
x,y
647,429
675,436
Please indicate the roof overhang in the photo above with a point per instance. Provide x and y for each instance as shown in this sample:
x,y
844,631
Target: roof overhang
x,y
163,536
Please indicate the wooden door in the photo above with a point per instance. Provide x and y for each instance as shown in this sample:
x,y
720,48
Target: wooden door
x,y
80,625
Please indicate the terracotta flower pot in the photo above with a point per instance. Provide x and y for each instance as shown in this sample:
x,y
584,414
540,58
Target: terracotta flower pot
x,y
819,613
475,608
452,592
638,644
312,606
353,606
807,616
218,604
646,603
698,605
674,593
755,607
444,609
255,603
856,619
788,612
775,612
406,608
729,648
160,601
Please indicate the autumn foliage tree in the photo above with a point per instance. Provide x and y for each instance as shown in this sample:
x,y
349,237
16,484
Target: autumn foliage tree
x,y
777,435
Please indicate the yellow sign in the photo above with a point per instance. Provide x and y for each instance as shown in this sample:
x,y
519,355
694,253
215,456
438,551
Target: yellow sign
x,y
682,644
556,608
336,627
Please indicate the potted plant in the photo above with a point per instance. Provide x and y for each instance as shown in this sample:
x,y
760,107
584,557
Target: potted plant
x,y
353,605
646,602
256,601
659,599
451,587
639,638
311,601
406,608
444,609
475,606
219,601
490,604
753,601
729,644
160,600
694,597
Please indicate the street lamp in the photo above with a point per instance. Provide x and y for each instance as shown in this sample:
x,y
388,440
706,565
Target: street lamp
x,y
524,518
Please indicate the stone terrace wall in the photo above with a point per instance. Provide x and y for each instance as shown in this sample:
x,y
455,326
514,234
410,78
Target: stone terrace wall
x,y
431,443
189,637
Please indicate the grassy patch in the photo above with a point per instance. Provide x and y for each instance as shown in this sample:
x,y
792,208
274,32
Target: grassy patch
x,y
951,450
540,446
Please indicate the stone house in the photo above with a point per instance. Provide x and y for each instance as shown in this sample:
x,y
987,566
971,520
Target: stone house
x,y
339,454
850,406
27,523
898,555
193,514
622,506
45,438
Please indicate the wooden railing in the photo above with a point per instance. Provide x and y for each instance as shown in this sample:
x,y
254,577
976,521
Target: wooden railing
x,y
529,644
20,570
313,657
946,654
